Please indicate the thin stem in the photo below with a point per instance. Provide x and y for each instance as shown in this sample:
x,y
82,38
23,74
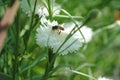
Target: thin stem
x,y
27,36
16,52
50,9
50,64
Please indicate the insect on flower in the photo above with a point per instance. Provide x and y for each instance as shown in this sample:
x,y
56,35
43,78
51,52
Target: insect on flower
x,y
58,28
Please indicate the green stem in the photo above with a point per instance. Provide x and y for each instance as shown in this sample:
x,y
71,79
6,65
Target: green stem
x,y
27,36
16,52
50,65
50,9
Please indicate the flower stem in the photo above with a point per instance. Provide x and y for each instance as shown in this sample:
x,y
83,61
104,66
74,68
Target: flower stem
x,y
27,35
16,52
50,64
50,9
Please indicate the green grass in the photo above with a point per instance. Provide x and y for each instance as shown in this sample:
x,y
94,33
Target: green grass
x,y
22,59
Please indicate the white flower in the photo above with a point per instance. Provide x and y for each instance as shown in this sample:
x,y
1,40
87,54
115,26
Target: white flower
x,y
103,78
86,31
54,38
56,9
43,11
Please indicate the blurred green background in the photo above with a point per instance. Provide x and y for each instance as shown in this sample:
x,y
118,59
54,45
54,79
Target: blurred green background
x,y
100,57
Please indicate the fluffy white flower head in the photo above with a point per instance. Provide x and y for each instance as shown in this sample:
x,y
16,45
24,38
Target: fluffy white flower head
x,y
103,78
43,11
46,36
86,31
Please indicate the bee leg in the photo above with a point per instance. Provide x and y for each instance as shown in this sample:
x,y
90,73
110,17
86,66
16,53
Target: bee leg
x,y
59,32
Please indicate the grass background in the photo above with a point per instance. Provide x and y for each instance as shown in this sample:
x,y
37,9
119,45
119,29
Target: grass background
x,y
23,59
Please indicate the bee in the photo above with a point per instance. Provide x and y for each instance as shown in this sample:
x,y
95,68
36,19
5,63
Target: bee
x,y
58,28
